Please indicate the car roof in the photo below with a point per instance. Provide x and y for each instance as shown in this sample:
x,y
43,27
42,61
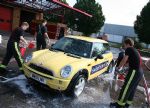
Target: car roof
x,y
89,39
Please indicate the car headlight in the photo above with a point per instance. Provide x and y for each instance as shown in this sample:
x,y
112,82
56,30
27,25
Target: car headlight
x,y
28,59
66,71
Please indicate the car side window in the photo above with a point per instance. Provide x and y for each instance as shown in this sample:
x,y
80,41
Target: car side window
x,y
106,47
98,49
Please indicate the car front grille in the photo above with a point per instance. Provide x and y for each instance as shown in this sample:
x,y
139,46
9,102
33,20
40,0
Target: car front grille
x,y
41,69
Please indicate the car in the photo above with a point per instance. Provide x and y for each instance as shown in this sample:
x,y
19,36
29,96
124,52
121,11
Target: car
x,y
69,63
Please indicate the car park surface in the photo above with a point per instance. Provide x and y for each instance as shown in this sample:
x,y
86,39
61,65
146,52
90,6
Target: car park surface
x,y
98,93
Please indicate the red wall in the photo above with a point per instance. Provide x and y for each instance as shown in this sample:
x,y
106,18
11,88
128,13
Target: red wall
x,y
5,18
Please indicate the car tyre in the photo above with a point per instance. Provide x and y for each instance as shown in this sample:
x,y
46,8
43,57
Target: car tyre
x,y
77,86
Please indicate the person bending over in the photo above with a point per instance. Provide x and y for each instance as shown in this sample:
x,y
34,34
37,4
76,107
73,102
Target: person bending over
x,y
13,49
133,77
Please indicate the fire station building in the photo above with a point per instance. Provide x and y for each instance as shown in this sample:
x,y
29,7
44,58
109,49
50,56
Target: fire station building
x,y
13,12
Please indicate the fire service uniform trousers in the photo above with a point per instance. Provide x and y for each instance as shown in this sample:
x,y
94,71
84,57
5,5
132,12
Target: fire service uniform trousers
x,y
128,89
40,42
13,50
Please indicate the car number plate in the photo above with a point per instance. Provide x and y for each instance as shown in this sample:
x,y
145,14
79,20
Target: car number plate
x,y
38,78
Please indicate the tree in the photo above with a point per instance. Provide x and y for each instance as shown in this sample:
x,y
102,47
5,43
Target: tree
x,y
64,1
85,24
142,24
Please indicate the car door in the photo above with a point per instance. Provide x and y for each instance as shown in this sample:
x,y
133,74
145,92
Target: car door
x,y
98,66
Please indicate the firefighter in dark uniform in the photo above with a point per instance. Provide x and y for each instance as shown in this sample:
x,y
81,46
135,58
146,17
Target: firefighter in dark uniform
x,y
119,59
13,48
120,56
41,35
133,77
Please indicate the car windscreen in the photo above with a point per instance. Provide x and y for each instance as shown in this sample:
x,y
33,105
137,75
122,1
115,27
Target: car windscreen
x,y
74,46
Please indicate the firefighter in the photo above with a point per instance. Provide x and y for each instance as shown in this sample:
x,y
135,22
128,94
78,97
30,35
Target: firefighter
x,y
118,60
13,48
41,35
120,56
133,77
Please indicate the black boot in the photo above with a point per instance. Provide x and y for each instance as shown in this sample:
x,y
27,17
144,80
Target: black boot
x,y
115,105
3,72
127,105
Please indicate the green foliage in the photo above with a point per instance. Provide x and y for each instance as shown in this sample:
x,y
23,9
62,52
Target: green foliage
x,y
64,1
138,45
85,24
142,24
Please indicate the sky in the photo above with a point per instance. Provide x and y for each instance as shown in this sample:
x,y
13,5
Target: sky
x,y
122,12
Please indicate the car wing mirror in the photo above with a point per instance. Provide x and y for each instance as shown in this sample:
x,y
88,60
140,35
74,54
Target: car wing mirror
x,y
99,57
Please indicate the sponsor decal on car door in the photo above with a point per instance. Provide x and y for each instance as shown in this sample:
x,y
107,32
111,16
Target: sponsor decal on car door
x,y
99,67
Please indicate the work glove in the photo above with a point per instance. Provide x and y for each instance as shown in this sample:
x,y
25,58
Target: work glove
x,y
119,70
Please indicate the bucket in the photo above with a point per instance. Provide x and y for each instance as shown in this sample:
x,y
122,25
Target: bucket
x,y
31,45
22,51
121,77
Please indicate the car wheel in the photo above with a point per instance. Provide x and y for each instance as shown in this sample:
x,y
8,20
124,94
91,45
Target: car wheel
x,y
77,86
110,68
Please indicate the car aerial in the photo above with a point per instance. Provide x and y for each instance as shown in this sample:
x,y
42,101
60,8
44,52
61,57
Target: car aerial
x,y
69,63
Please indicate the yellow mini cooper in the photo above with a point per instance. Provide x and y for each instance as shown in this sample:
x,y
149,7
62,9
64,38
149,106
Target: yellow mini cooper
x,y
69,63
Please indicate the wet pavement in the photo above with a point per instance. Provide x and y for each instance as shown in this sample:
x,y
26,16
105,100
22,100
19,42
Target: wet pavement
x,y
98,93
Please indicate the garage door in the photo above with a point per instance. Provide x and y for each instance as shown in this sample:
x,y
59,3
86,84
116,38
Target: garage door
x,y
5,18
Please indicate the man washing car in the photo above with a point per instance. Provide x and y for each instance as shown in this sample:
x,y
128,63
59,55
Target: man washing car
x,y
13,48
41,35
133,77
